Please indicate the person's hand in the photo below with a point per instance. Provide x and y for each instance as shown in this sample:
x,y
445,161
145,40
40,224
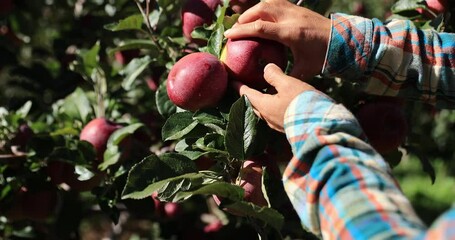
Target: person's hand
x,y
272,107
305,32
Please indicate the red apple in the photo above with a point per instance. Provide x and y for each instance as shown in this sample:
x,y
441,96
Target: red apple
x,y
196,13
97,132
245,59
240,6
37,205
384,123
251,181
124,57
438,6
198,80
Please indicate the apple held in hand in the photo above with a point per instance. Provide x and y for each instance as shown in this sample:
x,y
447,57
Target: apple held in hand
x,y
245,59
196,13
384,124
196,81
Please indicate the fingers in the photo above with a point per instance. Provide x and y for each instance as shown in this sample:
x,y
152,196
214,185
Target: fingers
x,y
253,95
274,75
258,28
262,10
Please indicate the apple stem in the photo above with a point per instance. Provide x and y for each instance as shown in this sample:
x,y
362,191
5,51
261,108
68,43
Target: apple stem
x,y
146,14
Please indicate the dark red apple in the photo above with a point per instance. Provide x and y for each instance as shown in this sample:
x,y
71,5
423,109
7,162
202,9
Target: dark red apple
x,y
384,123
124,57
97,132
250,179
36,205
240,6
196,81
245,59
196,13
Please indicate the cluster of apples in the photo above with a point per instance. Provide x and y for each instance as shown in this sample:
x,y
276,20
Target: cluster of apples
x,y
199,80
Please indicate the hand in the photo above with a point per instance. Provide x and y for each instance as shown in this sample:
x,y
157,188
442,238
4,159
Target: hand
x,y
272,108
305,32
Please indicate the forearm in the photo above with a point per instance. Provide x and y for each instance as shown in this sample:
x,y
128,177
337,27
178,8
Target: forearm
x,y
340,187
396,59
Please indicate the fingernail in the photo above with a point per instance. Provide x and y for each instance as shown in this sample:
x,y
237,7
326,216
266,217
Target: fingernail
x,y
227,32
268,66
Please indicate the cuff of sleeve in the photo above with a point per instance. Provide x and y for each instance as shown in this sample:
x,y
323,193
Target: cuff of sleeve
x,y
313,109
349,47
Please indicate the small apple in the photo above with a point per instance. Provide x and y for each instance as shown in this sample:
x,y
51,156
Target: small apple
x,y
198,80
384,123
245,59
240,6
196,13
97,132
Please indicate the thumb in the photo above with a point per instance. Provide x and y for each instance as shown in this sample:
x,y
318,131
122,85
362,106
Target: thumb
x,y
273,74
254,96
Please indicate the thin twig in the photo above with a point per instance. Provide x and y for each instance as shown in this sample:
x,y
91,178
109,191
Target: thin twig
x,y
147,22
300,2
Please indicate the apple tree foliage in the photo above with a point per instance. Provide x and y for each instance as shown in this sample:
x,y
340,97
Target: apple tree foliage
x,y
64,63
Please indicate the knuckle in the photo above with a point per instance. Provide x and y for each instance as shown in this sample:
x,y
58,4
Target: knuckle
x,y
259,26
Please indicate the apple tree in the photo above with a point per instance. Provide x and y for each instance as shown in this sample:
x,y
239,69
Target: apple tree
x,y
93,140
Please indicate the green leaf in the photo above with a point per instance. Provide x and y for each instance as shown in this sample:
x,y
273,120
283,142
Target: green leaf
x,y
25,109
215,43
147,176
136,44
133,22
178,125
133,70
407,5
229,21
112,154
211,143
164,105
268,215
243,133
201,32
90,59
77,106
218,188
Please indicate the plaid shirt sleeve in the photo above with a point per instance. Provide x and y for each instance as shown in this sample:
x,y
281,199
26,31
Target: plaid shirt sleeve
x,y
394,59
340,187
